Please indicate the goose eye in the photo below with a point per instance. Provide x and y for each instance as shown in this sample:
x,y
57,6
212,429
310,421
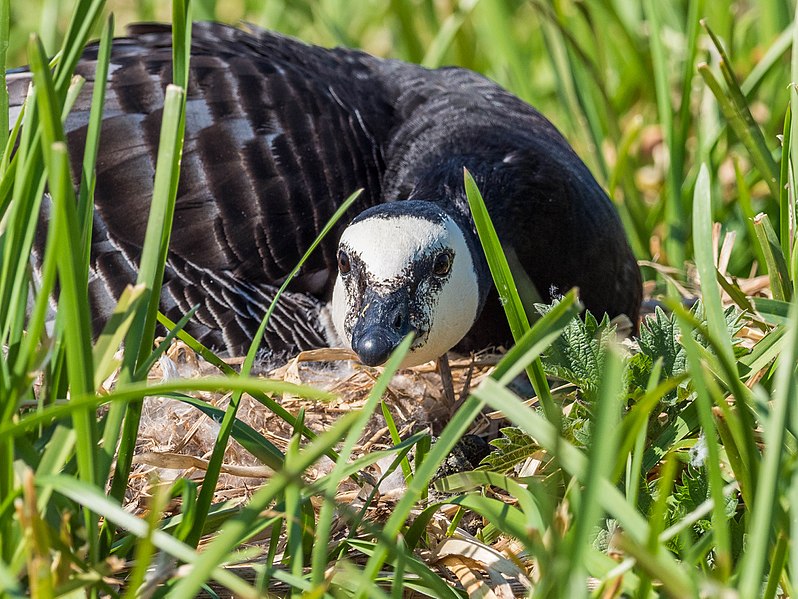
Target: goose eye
x,y
344,266
442,264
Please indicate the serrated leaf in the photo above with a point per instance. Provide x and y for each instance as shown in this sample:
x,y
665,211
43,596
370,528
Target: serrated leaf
x,y
692,491
512,448
733,317
580,430
660,339
640,366
605,533
577,356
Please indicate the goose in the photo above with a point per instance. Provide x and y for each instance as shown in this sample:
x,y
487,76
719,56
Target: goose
x,y
278,133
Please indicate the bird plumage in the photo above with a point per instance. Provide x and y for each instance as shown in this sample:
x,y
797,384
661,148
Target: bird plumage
x,y
279,132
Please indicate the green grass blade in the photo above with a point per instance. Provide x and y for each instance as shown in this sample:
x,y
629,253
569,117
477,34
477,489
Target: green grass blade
x,y
138,343
704,403
537,339
256,341
509,519
705,262
739,421
181,42
496,17
397,452
750,135
765,509
786,216
145,547
293,508
247,437
741,106
566,91
165,343
530,495
777,563
576,463
580,82
95,500
443,39
5,19
394,432
674,217
73,314
88,174
637,419
776,262
84,17
426,582
499,268
26,198
38,314
53,459
214,465
336,475
412,44
508,292
136,391
159,225
25,201
49,109
772,56
747,209
114,333
194,345
239,528
681,128
769,62
790,150
450,435
657,517
792,497
601,457
764,352
151,268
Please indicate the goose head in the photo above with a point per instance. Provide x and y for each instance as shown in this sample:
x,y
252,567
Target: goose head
x,y
406,267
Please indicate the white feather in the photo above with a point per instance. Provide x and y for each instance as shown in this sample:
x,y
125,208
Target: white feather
x,y
388,245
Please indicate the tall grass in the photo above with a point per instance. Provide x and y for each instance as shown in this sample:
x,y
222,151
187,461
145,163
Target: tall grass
x,y
664,468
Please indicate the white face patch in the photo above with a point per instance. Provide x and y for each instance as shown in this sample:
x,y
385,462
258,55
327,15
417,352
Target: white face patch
x,y
390,252
388,245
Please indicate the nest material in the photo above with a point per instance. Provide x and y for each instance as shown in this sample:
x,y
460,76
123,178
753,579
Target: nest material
x,y
176,440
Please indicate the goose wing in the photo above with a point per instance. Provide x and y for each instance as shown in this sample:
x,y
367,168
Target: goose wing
x,y
278,134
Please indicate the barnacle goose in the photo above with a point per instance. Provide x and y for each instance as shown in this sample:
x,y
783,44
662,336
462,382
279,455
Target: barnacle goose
x,y
278,133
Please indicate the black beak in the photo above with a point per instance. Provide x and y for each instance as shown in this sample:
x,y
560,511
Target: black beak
x,y
383,323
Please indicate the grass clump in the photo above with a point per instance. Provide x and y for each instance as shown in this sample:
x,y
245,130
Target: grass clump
x,y
662,467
